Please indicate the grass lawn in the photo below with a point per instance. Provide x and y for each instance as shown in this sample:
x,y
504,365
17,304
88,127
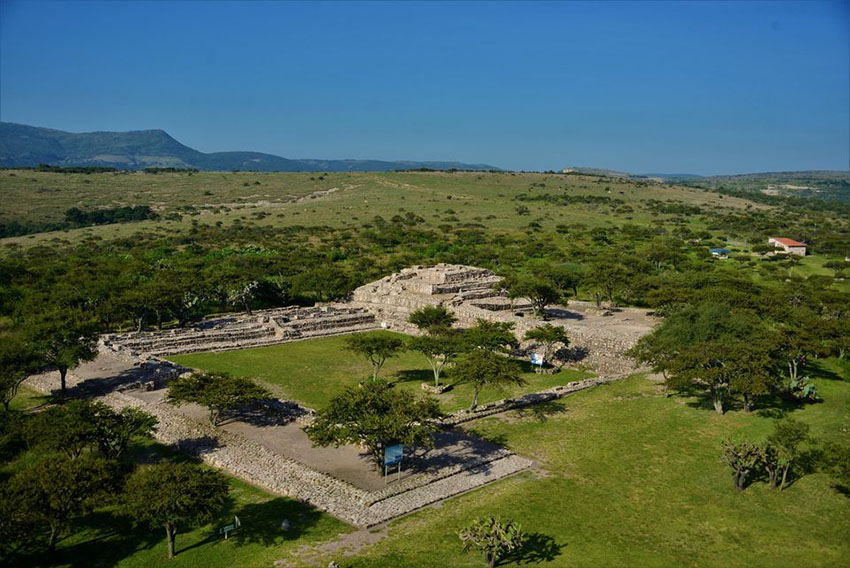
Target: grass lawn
x,y
28,398
313,371
629,478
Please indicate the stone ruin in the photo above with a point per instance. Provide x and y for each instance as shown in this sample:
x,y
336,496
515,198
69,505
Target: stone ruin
x,y
468,291
240,331
472,293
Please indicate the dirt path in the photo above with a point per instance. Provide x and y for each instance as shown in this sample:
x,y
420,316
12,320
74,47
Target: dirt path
x,y
342,546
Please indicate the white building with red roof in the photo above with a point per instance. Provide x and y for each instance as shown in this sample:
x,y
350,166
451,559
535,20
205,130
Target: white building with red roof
x,y
789,246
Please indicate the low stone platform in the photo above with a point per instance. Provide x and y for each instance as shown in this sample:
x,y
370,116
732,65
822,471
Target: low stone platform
x,y
241,331
259,453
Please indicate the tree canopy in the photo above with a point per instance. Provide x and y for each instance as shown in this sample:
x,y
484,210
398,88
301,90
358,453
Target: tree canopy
x,y
17,361
57,488
221,393
175,495
713,348
548,335
482,368
439,349
376,347
376,415
432,319
491,336
492,537
63,337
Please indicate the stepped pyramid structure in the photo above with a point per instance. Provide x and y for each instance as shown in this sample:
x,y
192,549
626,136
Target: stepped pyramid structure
x,y
468,291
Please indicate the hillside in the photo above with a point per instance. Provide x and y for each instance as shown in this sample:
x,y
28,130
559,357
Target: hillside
x,y
824,185
25,146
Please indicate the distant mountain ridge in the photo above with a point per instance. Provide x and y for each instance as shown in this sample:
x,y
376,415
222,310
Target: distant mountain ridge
x,y
23,145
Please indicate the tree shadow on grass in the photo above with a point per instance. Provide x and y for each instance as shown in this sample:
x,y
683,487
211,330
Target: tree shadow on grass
x,y
261,522
415,375
820,372
542,411
497,439
535,549
113,538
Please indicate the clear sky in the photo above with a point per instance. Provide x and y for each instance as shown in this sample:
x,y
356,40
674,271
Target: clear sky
x,y
676,87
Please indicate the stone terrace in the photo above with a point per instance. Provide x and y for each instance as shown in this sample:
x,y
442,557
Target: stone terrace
x,y
599,338
393,298
240,331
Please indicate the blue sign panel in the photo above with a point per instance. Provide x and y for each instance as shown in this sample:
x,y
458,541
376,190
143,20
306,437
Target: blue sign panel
x,y
393,455
537,359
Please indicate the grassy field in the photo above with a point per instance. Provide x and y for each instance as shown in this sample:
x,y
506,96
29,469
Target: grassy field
x,y
629,477
286,199
313,371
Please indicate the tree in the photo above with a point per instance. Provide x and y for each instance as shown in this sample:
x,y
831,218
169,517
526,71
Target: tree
x,y
710,347
482,368
491,336
113,430
743,458
549,335
172,495
606,276
539,291
801,338
439,349
376,415
78,425
242,294
63,337
492,537
786,438
376,347
17,362
58,488
68,428
565,277
432,319
326,281
836,458
219,392
18,525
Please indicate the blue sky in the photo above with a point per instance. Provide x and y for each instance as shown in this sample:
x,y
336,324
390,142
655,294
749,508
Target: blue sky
x,y
690,87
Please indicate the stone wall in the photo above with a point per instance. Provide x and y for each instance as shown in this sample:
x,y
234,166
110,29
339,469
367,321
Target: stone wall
x,y
506,404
